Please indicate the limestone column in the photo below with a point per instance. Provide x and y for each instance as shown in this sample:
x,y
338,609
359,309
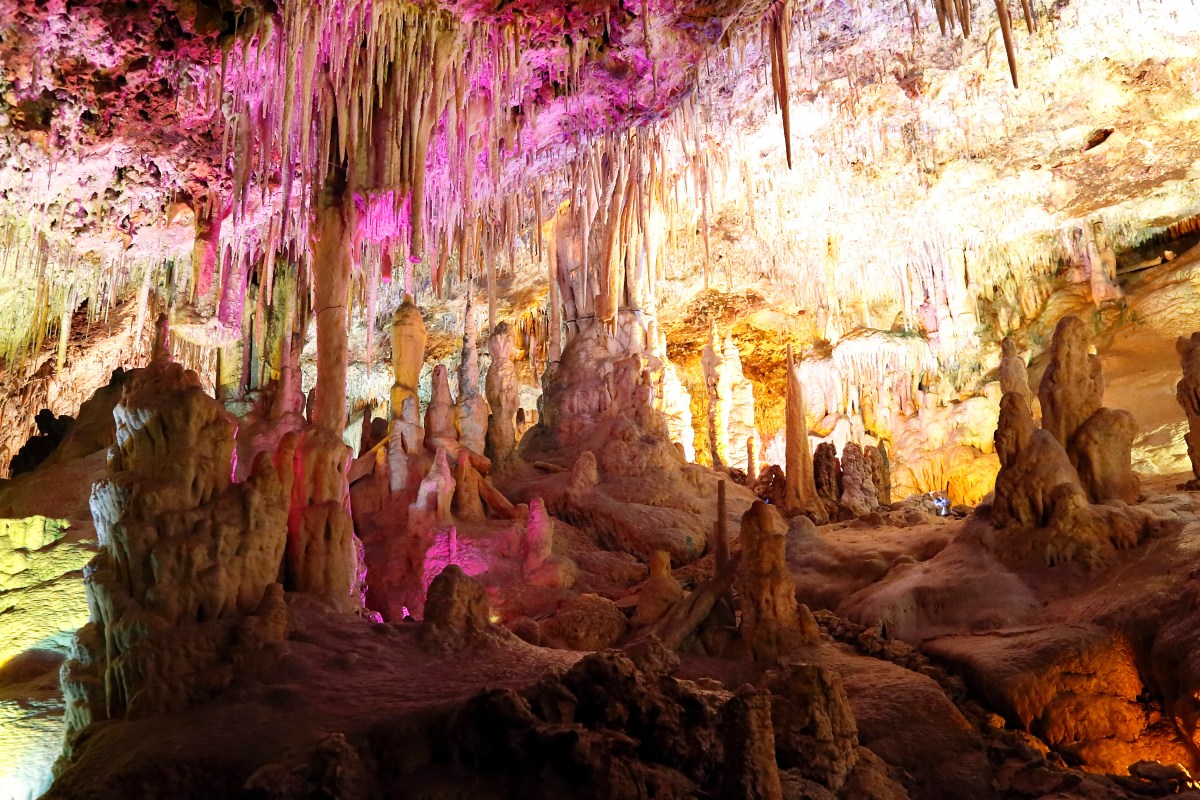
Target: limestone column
x,y
321,556
331,284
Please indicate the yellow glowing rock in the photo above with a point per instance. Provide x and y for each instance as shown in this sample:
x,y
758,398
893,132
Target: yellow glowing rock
x,y
42,601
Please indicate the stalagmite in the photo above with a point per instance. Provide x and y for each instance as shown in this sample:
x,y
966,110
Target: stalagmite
x,y
860,494
751,770
721,529
501,387
1014,377
1100,451
1187,392
1044,488
659,593
801,490
184,585
1072,388
773,623
718,401
322,556
739,417
408,354
440,431
471,411
827,475
881,472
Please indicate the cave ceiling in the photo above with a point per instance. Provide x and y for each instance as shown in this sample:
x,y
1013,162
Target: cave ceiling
x,y
125,125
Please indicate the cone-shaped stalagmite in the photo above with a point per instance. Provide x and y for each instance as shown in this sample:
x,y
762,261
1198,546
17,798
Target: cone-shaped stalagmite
x,y
800,487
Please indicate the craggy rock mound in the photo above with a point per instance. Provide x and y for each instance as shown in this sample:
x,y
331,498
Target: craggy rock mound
x,y
621,476
184,586
607,729
815,732
1081,455
1074,686
1094,658
585,622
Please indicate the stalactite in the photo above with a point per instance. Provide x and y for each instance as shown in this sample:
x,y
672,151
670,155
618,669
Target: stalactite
x,y
779,25
1006,30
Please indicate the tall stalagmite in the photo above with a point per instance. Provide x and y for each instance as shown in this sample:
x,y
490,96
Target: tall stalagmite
x,y
1072,388
408,356
471,411
800,487
1187,392
501,387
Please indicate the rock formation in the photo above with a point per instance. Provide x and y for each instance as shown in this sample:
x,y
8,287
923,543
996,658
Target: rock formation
x,y
1081,455
1072,387
1187,392
750,769
622,476
741,425
801,489
860,494
716,384
881,471
1100,451
184,588
456,610
660,592
815,731
1014,377
471,410
827,475
441,418
773,623
502,396
408,354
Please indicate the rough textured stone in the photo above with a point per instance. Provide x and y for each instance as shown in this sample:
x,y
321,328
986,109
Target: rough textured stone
x,y
815,732
827,474
501,387
860,495
1072,387
184,586
1100,452
773,623
585,622
1187,392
